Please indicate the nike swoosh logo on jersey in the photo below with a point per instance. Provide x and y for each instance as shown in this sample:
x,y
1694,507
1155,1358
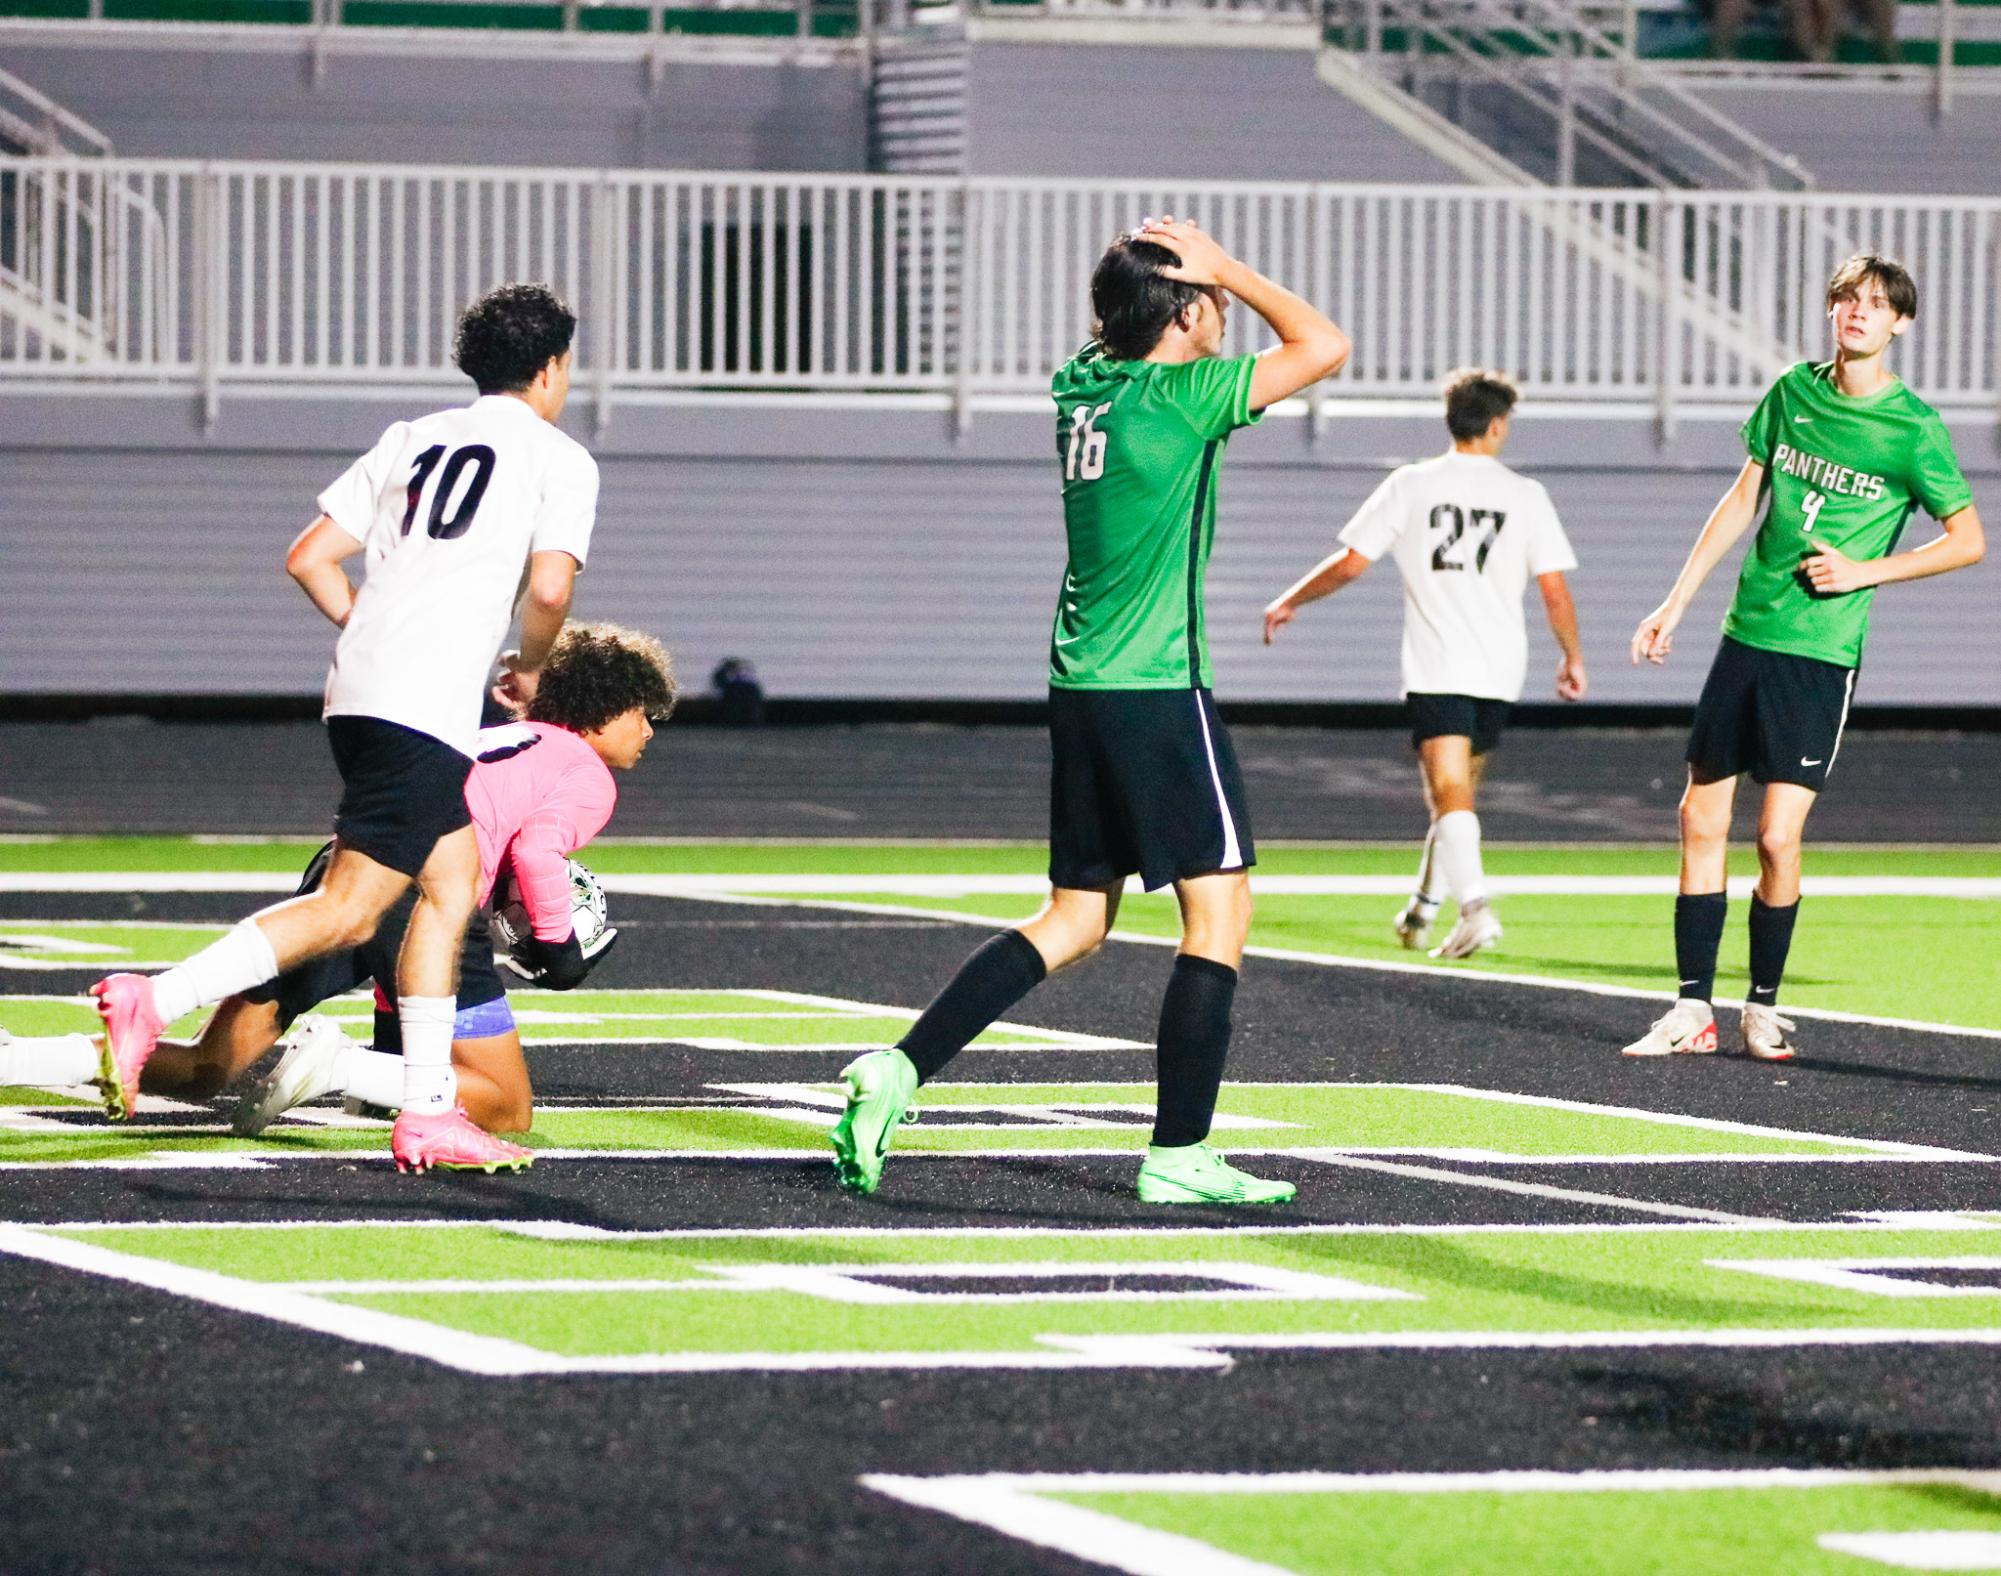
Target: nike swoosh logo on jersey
x,y
1805,762
1802,420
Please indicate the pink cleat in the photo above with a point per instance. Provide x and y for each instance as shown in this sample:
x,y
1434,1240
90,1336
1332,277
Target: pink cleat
x,y
131,1030
451,1142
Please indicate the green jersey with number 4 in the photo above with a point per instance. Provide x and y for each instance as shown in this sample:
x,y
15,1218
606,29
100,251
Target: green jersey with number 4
x,y
1139,443
1842,472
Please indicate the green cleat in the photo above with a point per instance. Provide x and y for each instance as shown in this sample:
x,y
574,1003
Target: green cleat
x,y
881,1086
1196,1174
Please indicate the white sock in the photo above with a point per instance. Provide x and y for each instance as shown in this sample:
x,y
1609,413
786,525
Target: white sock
x,y
374,1076
1428,894
1457,852
228,967
430,1087
59,1059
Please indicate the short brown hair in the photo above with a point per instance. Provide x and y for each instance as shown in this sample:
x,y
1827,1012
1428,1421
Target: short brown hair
x,y
1473,398
1892,275
597,672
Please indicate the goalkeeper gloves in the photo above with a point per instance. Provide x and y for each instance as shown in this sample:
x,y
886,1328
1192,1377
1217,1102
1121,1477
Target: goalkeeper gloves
x,y
558,965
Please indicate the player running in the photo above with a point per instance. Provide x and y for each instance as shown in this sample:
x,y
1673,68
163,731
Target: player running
x,y
1144,779
539,790
1841,455
1467,533
456,512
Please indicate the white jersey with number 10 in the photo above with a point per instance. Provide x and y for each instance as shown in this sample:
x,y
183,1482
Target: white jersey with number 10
x,y
1467,533
448,509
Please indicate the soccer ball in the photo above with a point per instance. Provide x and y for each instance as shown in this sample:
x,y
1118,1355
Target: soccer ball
x,y
587,906
512,927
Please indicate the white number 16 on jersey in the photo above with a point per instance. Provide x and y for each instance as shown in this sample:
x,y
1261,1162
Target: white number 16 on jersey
x,y
1084,460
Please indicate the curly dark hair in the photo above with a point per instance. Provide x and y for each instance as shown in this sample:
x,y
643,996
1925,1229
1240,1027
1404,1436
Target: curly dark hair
x,y
510,334
596,672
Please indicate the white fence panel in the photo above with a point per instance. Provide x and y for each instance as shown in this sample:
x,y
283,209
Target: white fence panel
x,y
167,275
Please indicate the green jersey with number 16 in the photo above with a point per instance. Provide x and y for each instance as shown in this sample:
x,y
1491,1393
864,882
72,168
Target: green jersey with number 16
x,y
1139,443
1841,471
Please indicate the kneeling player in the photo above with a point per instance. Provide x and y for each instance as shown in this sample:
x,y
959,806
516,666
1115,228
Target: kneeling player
x,y
539,790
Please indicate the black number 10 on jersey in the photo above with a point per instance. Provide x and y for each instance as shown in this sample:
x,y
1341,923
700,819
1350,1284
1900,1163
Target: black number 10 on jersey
x,y
474,456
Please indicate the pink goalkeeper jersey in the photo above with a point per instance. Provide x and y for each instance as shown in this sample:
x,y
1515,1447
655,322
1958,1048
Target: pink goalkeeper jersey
x,y
537,794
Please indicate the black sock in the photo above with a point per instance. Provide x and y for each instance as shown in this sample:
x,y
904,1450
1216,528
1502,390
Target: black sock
x,y
1194,1039
992,980
1771,940
1698,932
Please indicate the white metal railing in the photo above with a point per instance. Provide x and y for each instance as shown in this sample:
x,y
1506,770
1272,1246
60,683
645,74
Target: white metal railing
x,y
40,125
268,277
1553,59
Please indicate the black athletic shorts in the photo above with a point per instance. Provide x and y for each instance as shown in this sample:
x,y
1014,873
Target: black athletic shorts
x,y
401,790
1457,716
1770,713
301,989
1146,781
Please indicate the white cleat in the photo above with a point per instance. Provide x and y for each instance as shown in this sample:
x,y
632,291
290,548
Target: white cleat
x,y
1475,931
1765,1033
1413,924
1688,1028
304,1072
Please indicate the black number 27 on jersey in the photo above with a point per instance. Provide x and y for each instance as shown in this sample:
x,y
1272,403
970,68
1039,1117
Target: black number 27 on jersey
x,y
1451,519
476,456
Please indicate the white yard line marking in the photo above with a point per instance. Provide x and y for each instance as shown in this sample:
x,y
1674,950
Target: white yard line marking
x,y
1332,960
1859,1275
569,1231
1089,1535
1987,1480
496,1357
742,890
415,1337
864,1283
1919,1551
791,884
1536,1190
1019,1506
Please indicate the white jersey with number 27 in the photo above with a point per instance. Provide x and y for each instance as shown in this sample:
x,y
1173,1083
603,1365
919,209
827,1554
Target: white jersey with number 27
x,y
448,509
1467,533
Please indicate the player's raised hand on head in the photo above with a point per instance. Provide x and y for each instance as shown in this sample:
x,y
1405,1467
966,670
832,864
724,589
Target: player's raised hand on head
x,y
1654,639
1202,260
515,687
1277,616
1570,680
1831,572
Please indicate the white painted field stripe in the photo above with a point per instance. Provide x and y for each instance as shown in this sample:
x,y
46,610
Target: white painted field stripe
x,y
395,1288
1861,1275
573,1231
1534,1189
251,1160
790,884
1068,1529
1019,1506
733,891
414,1337
1602,1481
1712,1124
148,881
1541,1341
1333,960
